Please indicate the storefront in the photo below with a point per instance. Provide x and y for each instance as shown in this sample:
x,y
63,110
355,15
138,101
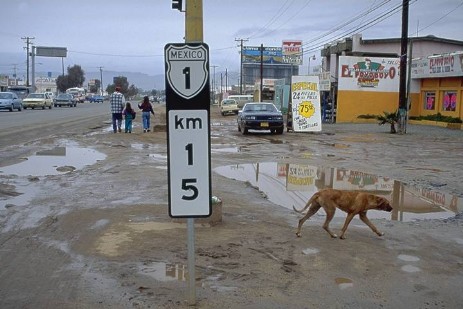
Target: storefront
x,y
441,85
368,86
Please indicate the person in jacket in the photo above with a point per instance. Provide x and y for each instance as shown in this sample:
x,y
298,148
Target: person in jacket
x,y
129,115
147,110
116,102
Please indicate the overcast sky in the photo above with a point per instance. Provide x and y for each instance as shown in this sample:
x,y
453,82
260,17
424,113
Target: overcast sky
x,y
122,35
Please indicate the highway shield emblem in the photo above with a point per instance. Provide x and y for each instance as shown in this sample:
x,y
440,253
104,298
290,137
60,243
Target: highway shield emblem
x,y
187,71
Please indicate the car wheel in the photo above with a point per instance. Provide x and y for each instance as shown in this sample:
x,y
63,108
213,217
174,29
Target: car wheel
x,y
20,108
25,107
244,131
280,131
11,108
49,107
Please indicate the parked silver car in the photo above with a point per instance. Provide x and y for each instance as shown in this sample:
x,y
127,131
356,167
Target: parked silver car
x,y
10,101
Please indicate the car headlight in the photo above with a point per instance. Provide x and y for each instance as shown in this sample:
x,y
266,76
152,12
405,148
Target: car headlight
x,y
250,117
277,117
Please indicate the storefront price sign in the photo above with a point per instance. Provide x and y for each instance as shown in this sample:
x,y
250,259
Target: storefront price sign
x,y
188,129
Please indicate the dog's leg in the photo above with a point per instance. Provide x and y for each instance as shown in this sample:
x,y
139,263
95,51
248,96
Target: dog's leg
x,y
349,218
312,210
363,217
330,211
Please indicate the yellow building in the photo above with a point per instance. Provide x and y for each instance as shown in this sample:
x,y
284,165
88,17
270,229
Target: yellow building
x,y
365,76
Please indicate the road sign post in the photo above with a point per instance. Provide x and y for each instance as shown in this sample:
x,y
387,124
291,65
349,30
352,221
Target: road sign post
x,y
188,139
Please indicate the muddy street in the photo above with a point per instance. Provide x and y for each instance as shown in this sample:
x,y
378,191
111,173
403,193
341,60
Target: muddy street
x,y
84,219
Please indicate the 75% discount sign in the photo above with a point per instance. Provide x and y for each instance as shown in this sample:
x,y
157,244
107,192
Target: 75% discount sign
x,y
188,127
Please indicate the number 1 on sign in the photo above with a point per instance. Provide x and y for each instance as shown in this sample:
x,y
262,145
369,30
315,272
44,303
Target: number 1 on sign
x,y
186,72
189,149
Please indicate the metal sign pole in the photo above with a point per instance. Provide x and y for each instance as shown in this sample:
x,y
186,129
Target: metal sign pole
x,y
191,262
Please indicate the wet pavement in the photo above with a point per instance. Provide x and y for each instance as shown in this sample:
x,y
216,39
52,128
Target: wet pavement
x,y
94,220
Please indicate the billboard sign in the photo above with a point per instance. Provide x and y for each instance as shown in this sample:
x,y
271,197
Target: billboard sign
x,y
292,52
270,55
43,51
306,111
369,74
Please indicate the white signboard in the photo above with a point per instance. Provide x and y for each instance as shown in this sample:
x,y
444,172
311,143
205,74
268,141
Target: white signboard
x,y
368,74
447,65
189,163
306,111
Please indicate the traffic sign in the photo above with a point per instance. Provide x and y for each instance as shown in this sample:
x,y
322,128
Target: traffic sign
x,y
188,128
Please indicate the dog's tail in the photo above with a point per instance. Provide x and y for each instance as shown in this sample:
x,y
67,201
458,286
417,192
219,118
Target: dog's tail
x,y
307,205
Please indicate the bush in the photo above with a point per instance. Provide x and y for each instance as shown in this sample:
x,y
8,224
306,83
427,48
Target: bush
x,y
438,117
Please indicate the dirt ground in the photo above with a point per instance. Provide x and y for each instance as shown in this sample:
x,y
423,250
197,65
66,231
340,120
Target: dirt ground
x,y
101,237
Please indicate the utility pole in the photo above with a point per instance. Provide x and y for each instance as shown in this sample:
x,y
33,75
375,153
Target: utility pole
x,y
101,80
213,83
28,42
193,33
241,62
261,71
403,70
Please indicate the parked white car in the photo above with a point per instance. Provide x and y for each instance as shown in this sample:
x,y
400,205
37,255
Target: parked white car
x,y
38,99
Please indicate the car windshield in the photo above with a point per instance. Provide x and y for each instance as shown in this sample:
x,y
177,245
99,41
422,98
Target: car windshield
x,y
6,96
36,96
259,108
63,96
227,102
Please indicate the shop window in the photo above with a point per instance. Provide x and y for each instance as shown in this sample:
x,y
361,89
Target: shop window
x,y
449,101
429,100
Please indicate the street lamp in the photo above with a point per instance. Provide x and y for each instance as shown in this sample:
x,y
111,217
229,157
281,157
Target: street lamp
x,y
310,58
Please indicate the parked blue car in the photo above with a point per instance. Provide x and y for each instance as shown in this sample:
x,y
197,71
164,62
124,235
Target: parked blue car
x,y
10,101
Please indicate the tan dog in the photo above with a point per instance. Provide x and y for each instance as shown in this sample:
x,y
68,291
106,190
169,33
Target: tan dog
x,y
352,202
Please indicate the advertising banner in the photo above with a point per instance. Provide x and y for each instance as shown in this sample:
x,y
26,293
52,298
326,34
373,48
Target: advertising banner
x,y
369,74
292,52
306,111
447,65
270,55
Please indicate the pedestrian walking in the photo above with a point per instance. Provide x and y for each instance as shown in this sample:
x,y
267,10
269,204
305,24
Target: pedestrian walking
x,y
129,115
147,110
116,102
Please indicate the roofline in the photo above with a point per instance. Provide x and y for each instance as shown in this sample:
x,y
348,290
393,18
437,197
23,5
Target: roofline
x,y
428,38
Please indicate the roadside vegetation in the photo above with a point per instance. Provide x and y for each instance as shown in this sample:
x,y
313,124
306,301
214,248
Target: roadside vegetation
x,y
393,118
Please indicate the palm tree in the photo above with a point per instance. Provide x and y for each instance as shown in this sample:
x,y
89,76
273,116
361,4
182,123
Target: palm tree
x,y
391,118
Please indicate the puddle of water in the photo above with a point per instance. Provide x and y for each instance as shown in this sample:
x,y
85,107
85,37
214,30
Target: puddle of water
x,y
58,160
344,283
408,258
217,149
164,271
310,251
288,185
410,269
158,157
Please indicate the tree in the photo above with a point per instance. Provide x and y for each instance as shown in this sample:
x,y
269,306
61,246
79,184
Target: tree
x,y
62,83
391,118
74,78
126,90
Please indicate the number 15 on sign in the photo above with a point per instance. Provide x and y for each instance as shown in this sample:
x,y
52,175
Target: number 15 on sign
x,y
189,163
